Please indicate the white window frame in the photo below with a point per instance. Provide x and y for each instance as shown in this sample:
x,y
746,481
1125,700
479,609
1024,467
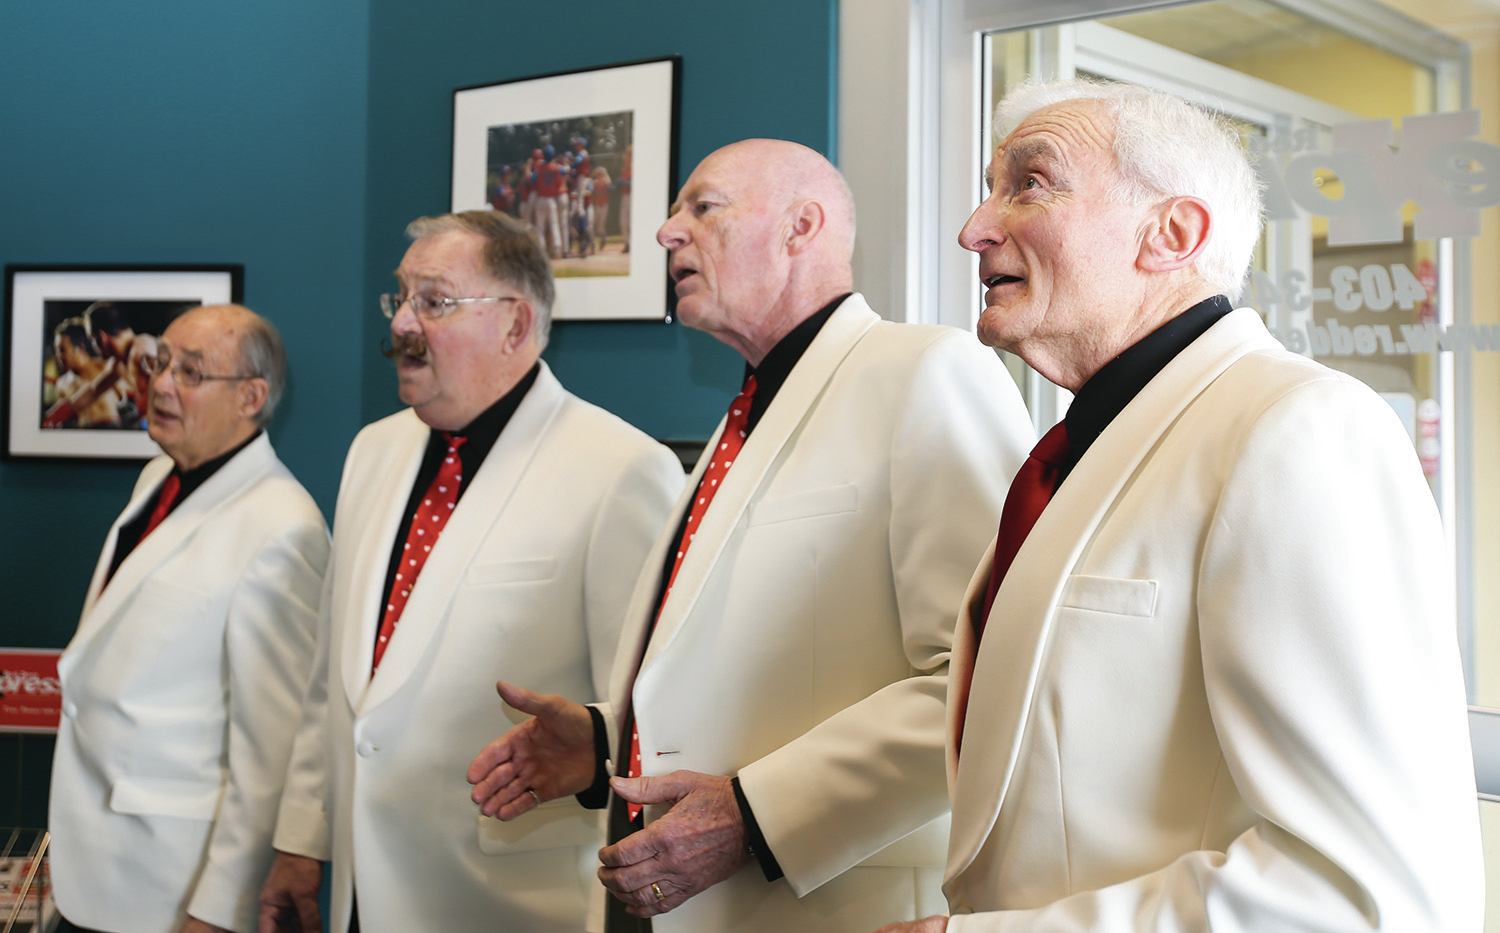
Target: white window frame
x,y
914,70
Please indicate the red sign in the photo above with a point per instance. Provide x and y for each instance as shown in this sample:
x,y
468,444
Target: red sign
x,y
30,694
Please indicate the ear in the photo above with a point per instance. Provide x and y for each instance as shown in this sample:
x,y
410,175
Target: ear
x,y
807,220
253,396
521,326
1176,233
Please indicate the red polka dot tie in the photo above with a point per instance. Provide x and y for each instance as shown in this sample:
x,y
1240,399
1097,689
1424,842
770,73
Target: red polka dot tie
x,y
722,456
430,520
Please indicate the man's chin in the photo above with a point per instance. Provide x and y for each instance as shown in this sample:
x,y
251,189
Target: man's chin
x,y
992,330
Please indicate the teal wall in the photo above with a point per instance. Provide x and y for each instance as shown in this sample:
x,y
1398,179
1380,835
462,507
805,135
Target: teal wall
x,y
748,69
178,131
298,138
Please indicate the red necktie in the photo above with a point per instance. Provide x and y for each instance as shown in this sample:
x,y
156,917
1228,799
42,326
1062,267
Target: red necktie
x,y
1030,492
164,499
164,502
722,457
430,520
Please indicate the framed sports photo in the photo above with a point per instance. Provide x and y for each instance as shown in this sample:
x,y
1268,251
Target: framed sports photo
x,y
588,159
80,341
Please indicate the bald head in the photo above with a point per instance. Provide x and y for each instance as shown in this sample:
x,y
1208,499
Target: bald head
x,y
261,352
761,236
789,173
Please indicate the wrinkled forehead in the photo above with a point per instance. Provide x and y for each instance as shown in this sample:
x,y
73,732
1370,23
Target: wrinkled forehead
x,y
443,259
203,335
1071,132
731,172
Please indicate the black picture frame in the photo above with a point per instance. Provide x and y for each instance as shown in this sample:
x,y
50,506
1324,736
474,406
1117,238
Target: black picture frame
x,y
75,334
626,116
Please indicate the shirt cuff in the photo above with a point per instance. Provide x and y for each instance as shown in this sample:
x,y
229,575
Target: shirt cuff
x,y
755,841
597,795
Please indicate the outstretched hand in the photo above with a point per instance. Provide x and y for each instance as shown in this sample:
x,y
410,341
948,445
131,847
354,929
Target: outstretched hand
x,y
548,756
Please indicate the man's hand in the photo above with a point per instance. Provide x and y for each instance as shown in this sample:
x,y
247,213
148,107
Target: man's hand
x,y
194,925
548,756
935,924
289,898
698,843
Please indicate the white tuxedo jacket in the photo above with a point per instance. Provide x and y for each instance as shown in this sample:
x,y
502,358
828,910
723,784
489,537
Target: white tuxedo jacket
x,y
1220,687
527,583
181,692
805,642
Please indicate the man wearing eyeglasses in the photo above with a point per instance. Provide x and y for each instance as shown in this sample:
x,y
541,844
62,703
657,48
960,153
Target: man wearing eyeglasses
x,y
493,530
182,686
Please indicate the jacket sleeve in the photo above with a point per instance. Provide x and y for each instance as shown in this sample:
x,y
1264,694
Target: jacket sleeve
x,y
269,638
874,772
1331,669
302,821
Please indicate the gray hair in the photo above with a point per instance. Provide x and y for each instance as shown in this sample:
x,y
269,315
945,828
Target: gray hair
x,y
264,355
1165,147
512,253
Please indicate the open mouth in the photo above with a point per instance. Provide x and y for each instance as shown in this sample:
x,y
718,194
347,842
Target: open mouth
x,y
681,275
995,281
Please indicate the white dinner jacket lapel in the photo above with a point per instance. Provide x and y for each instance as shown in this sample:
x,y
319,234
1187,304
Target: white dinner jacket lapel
x,y
1000,700
485,499
173,533
794,401
383,499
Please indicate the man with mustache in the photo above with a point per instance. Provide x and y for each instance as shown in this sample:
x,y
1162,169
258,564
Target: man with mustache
x,y
182,686
492,530
777,706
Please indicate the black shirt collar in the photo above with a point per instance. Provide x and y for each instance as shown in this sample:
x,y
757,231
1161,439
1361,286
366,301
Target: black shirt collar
x,y
485,429
1107,393
783,358
198,475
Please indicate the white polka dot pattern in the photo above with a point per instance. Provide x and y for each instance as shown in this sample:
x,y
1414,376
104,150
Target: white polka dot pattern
x,y
432,516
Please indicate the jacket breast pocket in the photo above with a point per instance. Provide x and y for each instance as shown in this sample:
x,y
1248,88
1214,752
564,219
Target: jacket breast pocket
x,y
810,503
1114,596
497,573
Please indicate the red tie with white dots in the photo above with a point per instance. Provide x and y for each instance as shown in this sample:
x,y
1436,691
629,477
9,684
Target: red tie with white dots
x,y
430,520
722,457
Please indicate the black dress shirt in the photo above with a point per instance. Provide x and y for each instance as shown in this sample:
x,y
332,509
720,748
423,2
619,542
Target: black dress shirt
x,y
481,434
132,531
1113,387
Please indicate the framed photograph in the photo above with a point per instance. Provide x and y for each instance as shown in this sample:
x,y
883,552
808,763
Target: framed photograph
x,y
78,339
588,159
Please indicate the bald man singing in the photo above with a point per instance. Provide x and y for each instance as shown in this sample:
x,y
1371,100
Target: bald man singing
x,y
776,715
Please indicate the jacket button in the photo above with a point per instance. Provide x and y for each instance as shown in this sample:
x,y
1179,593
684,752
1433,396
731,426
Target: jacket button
x,y
365,749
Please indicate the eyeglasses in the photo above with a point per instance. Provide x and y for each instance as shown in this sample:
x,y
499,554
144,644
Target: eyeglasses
x,y
185,373
432,307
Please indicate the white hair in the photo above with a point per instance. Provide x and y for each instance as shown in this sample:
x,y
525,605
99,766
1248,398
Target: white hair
x,y
1165,147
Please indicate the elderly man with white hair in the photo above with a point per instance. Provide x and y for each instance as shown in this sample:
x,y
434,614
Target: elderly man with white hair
x,y
1208,676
